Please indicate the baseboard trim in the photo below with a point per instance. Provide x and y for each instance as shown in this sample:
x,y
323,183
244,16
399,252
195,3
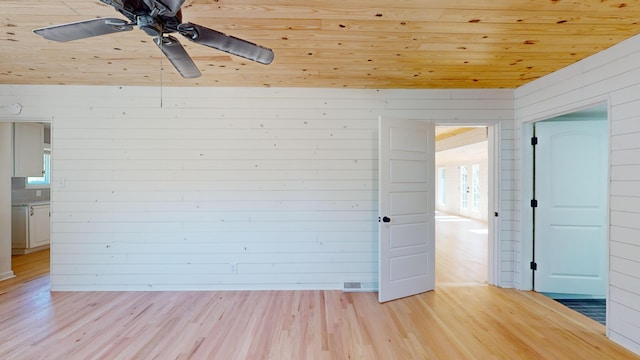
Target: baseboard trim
x,y
7,275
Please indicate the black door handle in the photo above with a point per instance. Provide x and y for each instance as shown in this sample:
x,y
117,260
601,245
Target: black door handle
x,y
386,219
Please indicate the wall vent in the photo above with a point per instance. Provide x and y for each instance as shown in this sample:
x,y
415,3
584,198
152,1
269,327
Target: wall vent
x,y
359,286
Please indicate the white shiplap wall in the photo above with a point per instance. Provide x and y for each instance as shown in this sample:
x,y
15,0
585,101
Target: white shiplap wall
x,y
613,76
227,188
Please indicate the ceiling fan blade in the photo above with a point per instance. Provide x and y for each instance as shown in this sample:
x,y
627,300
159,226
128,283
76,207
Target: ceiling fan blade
x,y
83,29
165,7
173,5
232,45
178,56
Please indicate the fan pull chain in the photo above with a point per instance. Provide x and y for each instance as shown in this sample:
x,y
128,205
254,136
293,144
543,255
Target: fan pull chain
x,y
161,80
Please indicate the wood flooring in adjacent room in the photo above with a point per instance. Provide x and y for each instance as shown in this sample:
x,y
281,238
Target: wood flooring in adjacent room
x,y
453,322
461,251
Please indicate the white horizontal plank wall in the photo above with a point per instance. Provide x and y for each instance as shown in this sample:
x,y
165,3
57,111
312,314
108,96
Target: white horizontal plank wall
x,y
614,76
226,188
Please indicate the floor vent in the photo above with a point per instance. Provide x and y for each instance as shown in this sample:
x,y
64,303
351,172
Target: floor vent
x,y
360,286
593,308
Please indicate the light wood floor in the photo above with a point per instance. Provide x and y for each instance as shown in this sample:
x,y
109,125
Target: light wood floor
x,y
453,322
26,268
461,251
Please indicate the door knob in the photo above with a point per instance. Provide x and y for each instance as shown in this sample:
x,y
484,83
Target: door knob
x,y
386,219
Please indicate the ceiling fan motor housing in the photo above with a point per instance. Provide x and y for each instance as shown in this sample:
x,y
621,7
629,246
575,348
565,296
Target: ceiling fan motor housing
x,y
149,25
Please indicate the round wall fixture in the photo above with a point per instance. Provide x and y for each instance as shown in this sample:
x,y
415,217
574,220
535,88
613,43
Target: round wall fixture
x,y
14,109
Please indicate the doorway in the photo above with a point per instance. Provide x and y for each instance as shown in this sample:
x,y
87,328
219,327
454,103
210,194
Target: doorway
x,y
462,195
406,193
569,209
28,195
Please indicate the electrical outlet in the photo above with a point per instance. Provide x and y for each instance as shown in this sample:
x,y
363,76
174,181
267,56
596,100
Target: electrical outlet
x,y
38,193
234,268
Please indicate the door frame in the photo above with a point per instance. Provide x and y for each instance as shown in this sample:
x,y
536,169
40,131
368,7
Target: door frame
x,y
526,188
544,221
18,119
494,129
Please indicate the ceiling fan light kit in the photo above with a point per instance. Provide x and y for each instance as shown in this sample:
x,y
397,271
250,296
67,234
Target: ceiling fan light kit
x,y
158,19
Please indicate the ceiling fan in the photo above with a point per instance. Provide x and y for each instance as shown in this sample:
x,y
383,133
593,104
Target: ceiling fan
x,y
159,18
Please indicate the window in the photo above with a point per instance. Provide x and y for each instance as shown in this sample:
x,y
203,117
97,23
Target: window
x,y
442,191
464,188
475,187
42,181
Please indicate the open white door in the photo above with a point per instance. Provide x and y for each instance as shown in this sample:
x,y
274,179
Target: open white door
x,y
407,208
571,171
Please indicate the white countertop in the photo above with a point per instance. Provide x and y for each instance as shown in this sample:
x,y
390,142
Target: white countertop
x,y
32,203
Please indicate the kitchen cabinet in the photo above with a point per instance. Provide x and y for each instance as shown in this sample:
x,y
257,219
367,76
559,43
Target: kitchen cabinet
x,y
28,143
30,228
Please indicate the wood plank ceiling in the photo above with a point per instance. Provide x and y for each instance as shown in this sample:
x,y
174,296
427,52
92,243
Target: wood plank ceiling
x,y
326,43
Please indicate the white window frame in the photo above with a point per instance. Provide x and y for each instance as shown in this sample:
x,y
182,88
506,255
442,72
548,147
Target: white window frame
x,y
41,182
475,187
464,184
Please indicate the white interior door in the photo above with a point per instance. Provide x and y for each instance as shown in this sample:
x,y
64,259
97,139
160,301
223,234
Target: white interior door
x,y
407,208
571,172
